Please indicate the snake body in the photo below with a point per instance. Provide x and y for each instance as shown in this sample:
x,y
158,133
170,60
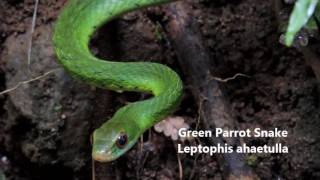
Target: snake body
x,y
72,33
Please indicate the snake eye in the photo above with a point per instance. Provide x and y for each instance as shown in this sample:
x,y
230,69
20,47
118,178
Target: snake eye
x,y
122,140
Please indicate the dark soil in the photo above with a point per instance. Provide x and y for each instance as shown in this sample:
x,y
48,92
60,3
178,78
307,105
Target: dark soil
x,y
45,126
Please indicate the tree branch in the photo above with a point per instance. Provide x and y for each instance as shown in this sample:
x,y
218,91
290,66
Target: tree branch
x,y
195,61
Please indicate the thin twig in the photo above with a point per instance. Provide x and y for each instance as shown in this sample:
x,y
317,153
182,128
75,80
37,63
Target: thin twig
x,y
33,24
141,144
179,162
93,169
229,78
28,81
194,166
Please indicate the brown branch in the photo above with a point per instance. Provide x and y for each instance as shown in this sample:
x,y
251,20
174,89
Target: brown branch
x,y
185,36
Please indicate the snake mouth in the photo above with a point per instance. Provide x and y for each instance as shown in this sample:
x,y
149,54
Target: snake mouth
x,y
103,156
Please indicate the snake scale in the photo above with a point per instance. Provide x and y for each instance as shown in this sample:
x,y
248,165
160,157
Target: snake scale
x,y
72,33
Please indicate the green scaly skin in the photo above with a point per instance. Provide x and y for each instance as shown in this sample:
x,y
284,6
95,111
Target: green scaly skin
x,y
73,30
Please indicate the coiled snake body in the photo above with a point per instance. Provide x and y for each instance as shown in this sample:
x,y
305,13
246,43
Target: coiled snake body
x,y
73,30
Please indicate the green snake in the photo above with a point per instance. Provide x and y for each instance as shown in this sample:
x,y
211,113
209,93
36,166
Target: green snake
x,y
72,33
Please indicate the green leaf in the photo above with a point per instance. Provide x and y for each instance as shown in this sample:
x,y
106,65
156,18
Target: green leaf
x,y
311,24
302,11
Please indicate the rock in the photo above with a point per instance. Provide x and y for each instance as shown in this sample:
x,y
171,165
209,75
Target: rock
x,y
48,120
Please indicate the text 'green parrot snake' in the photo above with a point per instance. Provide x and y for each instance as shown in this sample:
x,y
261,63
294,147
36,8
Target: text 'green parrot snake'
x,y
73,31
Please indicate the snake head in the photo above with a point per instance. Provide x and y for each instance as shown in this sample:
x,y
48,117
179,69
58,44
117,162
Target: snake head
x,y
113,139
